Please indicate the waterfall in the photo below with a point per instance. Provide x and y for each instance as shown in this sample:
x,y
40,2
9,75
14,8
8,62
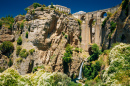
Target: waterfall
x,y
80,72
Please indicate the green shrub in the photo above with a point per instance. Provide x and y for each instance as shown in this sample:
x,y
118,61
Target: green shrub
x,y
63,33
23,53
77,49
19,60
44,5
66,36
10,63
113,26
79,21
104,22
18,50
31,51
7,47
42,8
27,9
19,41
26,34
34,69
109,14
74,84
10,26
80,37
106,52
91,71
0,24
35,5
68,54
95,53
52,5
22,26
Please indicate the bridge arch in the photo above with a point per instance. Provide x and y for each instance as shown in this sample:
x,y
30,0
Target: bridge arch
x,y
92,23
103,14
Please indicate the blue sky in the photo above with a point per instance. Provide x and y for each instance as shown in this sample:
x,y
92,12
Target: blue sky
x,y
15,7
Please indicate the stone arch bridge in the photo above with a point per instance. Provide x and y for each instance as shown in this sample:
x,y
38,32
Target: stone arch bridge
x,y
92,31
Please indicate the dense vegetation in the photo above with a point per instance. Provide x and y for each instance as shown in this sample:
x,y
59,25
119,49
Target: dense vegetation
x,y
11,77
35,5
91,71
105,20
95,53
125,6
6,47
68,54
7,21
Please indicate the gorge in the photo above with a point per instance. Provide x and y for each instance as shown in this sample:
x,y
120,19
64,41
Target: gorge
x,y
49,46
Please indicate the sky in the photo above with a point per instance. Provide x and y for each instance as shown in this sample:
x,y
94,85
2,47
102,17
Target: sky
x,y
16,7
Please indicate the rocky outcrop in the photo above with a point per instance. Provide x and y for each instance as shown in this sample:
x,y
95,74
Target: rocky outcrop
x,y
48,33
122,31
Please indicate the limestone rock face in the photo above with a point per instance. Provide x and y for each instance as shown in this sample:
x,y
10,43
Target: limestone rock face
x,y
46,34
122,32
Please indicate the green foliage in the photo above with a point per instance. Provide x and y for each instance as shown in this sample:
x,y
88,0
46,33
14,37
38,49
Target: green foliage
x,y
6,47
10,26
80,37
27,9
44,5
68,54
106,52
11,77
78,50
109,14
74,84
79,21
42,8
26,34
52,5
10,63
0,24
23,53
18,50
90,72
104,22
22,26
113,26
19,40
66,36
35,5
34,69
96,52
63,33
31,51
19,60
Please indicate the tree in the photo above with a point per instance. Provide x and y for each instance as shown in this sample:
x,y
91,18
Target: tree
x,y
6,47
68,54
52,5
35,5
26,9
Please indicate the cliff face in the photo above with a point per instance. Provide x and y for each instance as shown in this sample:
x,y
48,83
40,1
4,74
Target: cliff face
x,y
48,34
122,30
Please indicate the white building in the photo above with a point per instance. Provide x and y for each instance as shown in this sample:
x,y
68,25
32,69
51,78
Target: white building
x,y
62,8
